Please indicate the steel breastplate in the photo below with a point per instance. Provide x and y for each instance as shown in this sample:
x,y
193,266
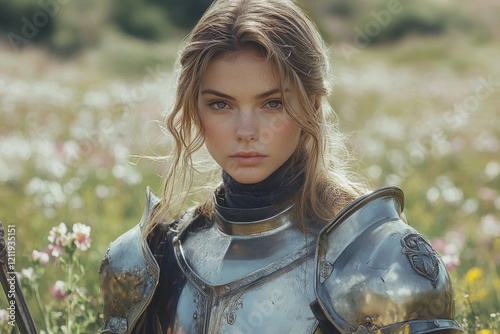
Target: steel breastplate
x,y
246,277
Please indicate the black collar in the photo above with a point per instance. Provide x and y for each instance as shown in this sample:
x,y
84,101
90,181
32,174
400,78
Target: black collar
x,y
275,190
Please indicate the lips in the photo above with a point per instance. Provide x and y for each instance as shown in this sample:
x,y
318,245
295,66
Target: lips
x,y
249,158
248,154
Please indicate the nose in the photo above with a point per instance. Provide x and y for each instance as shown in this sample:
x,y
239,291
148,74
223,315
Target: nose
x,y
247,127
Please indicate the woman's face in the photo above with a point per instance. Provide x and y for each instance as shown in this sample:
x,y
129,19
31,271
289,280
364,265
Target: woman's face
x,y
247,130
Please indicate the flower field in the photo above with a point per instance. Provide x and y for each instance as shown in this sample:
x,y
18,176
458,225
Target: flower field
x,y
422,113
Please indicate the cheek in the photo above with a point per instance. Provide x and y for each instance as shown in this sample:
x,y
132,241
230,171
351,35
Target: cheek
x,y
284,135
279,123
213,131
207,126
288,129
275,128
292,132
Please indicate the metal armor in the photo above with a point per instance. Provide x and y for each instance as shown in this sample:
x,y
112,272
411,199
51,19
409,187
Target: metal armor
x,y
376,274
254,271
129,276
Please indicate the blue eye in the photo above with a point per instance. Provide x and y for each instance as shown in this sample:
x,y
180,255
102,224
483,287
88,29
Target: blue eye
x,y
218,105
274,104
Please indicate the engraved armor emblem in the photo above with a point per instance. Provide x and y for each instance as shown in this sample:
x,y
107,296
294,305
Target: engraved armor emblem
x,y
230,311
117,325
422,256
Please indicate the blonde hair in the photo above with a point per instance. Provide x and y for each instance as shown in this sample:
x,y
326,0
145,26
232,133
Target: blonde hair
x,y
284,35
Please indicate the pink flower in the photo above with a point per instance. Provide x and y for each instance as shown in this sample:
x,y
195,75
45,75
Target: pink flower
x,y
58,290
59,235
54,250
439,245
487,194
41,257
451,261
81,235
450,248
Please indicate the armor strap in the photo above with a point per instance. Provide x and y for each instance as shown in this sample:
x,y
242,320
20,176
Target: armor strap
x,y
171,278
412,326
424,326
324,324
160,244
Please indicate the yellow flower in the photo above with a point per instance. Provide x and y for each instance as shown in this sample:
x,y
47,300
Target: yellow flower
x,y
484,331
479,294
473,275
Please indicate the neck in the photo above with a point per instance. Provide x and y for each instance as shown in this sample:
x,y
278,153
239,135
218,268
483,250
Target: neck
x,y
276,189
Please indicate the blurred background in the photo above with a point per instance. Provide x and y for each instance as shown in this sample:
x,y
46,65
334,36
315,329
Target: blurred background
x,y
83,85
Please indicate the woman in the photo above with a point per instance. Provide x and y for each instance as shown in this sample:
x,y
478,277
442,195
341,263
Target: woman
x,y
288,243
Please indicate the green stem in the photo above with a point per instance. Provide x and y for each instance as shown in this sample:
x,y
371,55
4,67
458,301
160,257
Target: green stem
x,y
493,270
40,307
472,315
69,289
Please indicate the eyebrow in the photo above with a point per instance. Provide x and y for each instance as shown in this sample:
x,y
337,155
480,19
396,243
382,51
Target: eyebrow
x,y
225,96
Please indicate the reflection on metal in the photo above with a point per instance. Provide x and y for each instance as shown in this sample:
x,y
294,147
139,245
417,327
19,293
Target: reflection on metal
x,y
250,273
263,276
128,277
373,288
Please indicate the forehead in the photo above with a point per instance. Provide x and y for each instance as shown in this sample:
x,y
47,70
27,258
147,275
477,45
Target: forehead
x,y
247,68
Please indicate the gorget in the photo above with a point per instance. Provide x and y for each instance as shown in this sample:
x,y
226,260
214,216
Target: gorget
x,y
250,275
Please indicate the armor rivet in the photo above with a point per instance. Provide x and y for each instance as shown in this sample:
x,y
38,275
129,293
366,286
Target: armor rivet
x,y
227,288
326,269
195,315
231,318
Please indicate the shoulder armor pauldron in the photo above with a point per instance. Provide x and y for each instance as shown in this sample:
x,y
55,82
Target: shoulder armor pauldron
x,y
376,274
128,276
